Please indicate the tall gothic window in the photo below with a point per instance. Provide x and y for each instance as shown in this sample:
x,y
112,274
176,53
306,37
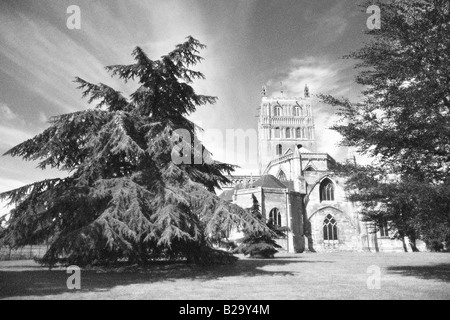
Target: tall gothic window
x,y
326,190
279,150
298,133
288,133
277,111
297,111
282,176
277,133
275,217
303,133
330,232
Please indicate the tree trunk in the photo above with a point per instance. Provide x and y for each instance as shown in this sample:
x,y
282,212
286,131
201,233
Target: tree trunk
x,y
375,242
404,244
310,244
412,243
308,234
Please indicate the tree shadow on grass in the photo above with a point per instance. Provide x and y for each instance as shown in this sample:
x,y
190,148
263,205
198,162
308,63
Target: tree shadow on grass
x,y
429,272
41,281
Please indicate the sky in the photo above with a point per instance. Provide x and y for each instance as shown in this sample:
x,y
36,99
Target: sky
x,y
279,44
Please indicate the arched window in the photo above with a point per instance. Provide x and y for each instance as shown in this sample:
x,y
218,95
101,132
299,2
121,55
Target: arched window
x,y
298,133
277,133
282,176
277,111
275,217
326,190
330,232
296,111
279,149
288,133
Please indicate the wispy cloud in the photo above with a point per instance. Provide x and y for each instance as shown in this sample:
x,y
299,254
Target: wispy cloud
x,y
321,74
11,136
6,113
329,26
44,60
11,125
6,185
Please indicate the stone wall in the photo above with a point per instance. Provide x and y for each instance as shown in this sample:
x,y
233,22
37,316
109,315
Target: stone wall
x,y
342,210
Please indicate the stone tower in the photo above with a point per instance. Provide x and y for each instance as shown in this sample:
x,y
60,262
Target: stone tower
x,y
283,124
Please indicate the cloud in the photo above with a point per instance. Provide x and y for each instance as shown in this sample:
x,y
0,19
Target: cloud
x,y
331,25
12,128
322,75
6,185
6,113
44,59
42,117
11,136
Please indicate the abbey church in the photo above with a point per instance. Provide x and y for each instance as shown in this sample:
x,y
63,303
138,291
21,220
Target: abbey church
x,y
297,187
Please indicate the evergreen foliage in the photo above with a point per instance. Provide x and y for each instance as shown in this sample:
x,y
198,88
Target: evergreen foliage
x,y
124,199
260,243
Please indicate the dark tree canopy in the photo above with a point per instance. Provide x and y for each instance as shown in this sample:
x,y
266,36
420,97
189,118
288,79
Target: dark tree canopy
x,y
407,207
403,120
404,116
124,198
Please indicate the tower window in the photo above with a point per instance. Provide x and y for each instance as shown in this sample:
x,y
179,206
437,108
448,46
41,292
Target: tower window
x,y
298,133
288,133
277,133
277,111
326,190
279,150
275,217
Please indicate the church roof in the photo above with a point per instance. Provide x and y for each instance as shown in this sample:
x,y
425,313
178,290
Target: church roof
x,y
269,181
304,150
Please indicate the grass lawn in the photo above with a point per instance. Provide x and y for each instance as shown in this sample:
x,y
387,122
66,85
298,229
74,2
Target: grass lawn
x,y
287,276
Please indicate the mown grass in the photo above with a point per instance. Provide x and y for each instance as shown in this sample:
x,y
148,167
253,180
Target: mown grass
x,y
287,276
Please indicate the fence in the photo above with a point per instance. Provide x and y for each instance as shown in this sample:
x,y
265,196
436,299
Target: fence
x,y
23,253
